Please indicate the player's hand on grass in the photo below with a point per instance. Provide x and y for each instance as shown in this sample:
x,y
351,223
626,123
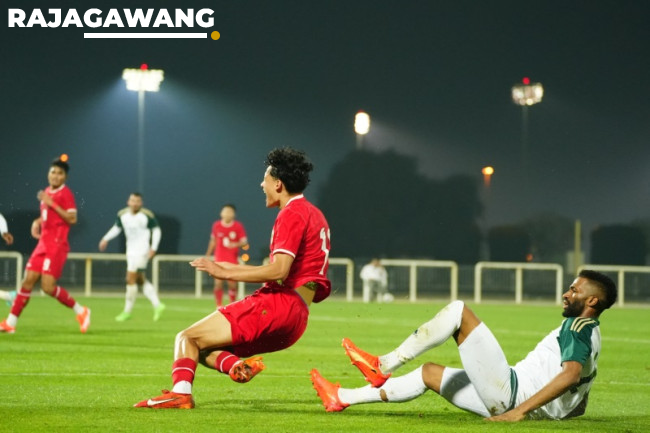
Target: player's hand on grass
x,y
510,416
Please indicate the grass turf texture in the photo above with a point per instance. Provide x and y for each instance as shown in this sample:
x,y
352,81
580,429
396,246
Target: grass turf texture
x,y
52,378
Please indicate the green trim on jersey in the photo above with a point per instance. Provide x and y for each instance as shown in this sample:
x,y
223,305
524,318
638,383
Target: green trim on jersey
x,y
118,221
575,338
152,221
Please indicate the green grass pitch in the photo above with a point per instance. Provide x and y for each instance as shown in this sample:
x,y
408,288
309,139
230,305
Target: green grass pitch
x,y
52,378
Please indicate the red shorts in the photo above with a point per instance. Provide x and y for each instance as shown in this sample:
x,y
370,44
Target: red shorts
x,y
266,321
48,259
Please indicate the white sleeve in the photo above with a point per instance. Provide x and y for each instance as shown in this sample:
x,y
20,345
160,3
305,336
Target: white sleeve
x,y
3,225
156,234
112,233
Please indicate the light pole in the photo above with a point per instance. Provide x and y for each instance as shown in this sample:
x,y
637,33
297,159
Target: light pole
x,y
525,95
361,126
484,251
142,80
487,171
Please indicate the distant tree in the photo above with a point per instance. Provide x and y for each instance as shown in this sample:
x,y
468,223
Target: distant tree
x,y
551,236
618,245
378,204
509,243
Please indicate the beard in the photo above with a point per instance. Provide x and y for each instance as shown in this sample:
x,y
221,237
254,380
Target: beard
x,y
573,309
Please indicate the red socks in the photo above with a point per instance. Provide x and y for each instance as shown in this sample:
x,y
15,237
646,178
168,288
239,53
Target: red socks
x,y
63,297
183,370
232,294
225,361
21,301
218,295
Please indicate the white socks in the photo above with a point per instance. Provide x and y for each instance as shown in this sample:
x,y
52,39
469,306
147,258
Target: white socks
x,y
150,292
183,387
395,390
429,335
78,308
131,293
12,320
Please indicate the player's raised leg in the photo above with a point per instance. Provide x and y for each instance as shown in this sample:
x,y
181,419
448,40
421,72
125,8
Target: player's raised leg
x,y
445,324
20,302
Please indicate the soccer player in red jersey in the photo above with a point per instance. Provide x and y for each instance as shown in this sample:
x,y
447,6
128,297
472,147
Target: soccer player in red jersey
x,y
58,213
227,236
275,316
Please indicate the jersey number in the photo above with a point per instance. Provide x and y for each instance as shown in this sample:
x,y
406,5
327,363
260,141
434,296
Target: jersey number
x,y
325,237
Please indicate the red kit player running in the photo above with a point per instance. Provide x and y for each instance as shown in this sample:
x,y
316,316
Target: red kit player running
x,y
227,236
58,213
275,316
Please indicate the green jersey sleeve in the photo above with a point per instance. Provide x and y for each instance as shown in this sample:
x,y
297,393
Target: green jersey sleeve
x,y
575,339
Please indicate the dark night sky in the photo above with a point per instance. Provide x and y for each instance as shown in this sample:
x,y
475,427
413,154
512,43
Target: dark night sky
x,y
435,77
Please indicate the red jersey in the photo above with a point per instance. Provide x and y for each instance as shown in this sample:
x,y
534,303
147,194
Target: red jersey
x,y
224,237
301,231
54,229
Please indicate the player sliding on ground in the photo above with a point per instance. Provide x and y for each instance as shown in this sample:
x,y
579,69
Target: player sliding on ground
x,y
58,213
552,382
275,316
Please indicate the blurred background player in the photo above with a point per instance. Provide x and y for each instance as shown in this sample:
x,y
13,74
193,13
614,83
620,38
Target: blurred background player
x,y
143,236
4,231
8,297
275,316
227,236
58,213
375,281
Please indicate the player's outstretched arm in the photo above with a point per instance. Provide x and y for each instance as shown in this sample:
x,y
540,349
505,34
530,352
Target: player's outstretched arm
x,y
278,270
568,377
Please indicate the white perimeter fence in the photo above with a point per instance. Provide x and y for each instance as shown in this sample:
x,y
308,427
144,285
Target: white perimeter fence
x,y
408,279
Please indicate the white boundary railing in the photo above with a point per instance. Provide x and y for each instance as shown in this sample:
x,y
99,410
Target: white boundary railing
x,y
413,265
155,270
349,275
19,264
519,279
620,272
89,257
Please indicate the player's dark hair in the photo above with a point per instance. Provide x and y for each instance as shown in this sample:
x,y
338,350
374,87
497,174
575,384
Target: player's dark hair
x,y
61,164
230,205
137,194
291,166
605,284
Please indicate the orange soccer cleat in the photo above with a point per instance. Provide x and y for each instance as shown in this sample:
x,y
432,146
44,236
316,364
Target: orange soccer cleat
x,y
244,370
366,363
7,328
328,392
168,400
84,320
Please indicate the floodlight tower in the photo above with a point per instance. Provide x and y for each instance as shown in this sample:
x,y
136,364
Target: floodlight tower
x,y
361,126
142,80
525,95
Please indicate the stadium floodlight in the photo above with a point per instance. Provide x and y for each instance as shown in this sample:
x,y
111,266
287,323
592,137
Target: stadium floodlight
x,y
361,126
527,93
142,80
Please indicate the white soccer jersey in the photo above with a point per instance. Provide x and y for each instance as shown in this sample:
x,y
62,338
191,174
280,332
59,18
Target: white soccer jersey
x,y
141,230
3,225
577,339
